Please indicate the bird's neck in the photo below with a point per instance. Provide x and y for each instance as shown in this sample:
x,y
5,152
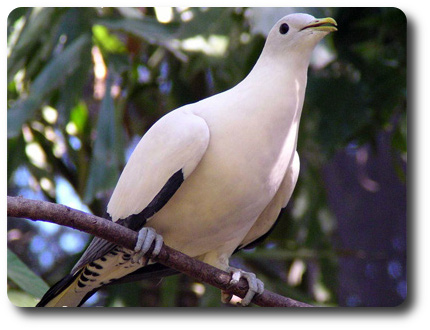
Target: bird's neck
x,y
280,83
275,91
282,67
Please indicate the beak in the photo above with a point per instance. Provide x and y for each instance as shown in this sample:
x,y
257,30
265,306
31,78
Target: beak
x,y
327,24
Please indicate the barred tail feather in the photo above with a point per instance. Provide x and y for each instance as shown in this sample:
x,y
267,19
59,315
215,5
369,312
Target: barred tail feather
x,y
59,295
76,288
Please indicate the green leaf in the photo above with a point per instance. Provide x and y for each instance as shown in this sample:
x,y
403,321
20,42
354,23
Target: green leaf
x,y
108,41
53,75
148,28
207,22
14,16
104,165
21,299
24,277
74,24
36,25
79,116
61,66
16,158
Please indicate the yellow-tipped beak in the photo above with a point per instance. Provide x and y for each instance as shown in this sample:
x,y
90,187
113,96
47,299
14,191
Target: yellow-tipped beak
x,y
327,24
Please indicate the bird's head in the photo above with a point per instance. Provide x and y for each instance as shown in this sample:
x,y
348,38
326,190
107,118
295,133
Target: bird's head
x,y
298,33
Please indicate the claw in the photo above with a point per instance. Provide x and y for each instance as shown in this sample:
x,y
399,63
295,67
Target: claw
x,y
145,238
256,286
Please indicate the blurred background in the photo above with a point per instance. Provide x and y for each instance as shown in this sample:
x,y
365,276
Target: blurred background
x,y
84,84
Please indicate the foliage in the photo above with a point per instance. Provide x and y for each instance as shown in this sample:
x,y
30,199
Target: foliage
x,y
85,83
24,277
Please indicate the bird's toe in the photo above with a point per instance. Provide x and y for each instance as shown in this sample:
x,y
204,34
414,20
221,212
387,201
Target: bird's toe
x,y
146,237
255,285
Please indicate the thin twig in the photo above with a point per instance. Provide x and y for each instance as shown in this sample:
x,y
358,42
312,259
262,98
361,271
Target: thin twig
x,y
56,213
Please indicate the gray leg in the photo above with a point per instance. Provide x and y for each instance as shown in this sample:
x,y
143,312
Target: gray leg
x,y
145,239
256,286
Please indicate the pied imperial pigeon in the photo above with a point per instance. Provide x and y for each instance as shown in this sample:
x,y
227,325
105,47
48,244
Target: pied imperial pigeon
x,y
210,178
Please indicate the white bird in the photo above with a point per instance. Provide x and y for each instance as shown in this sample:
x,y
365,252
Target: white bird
x,y
210,177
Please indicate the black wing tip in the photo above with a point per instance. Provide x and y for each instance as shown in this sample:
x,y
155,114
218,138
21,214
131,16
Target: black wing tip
x,y
137,221
164,195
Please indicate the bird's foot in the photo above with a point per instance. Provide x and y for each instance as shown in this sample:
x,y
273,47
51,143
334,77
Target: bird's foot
x,y
255,285
145,238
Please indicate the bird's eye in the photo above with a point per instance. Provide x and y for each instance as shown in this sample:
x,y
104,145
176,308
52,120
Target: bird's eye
x,y
283,29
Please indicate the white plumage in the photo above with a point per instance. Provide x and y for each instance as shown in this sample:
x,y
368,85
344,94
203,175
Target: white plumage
x,y
234,154
177,141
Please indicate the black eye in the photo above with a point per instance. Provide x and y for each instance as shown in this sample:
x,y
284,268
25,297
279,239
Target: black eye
x,y
283,29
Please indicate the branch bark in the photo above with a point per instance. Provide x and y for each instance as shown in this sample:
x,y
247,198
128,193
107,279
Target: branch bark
x,y
62,215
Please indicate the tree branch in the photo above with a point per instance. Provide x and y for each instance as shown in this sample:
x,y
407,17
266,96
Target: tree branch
x,y
56,213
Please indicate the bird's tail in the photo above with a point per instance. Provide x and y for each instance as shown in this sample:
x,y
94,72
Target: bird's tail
x,y
65,293
74,289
